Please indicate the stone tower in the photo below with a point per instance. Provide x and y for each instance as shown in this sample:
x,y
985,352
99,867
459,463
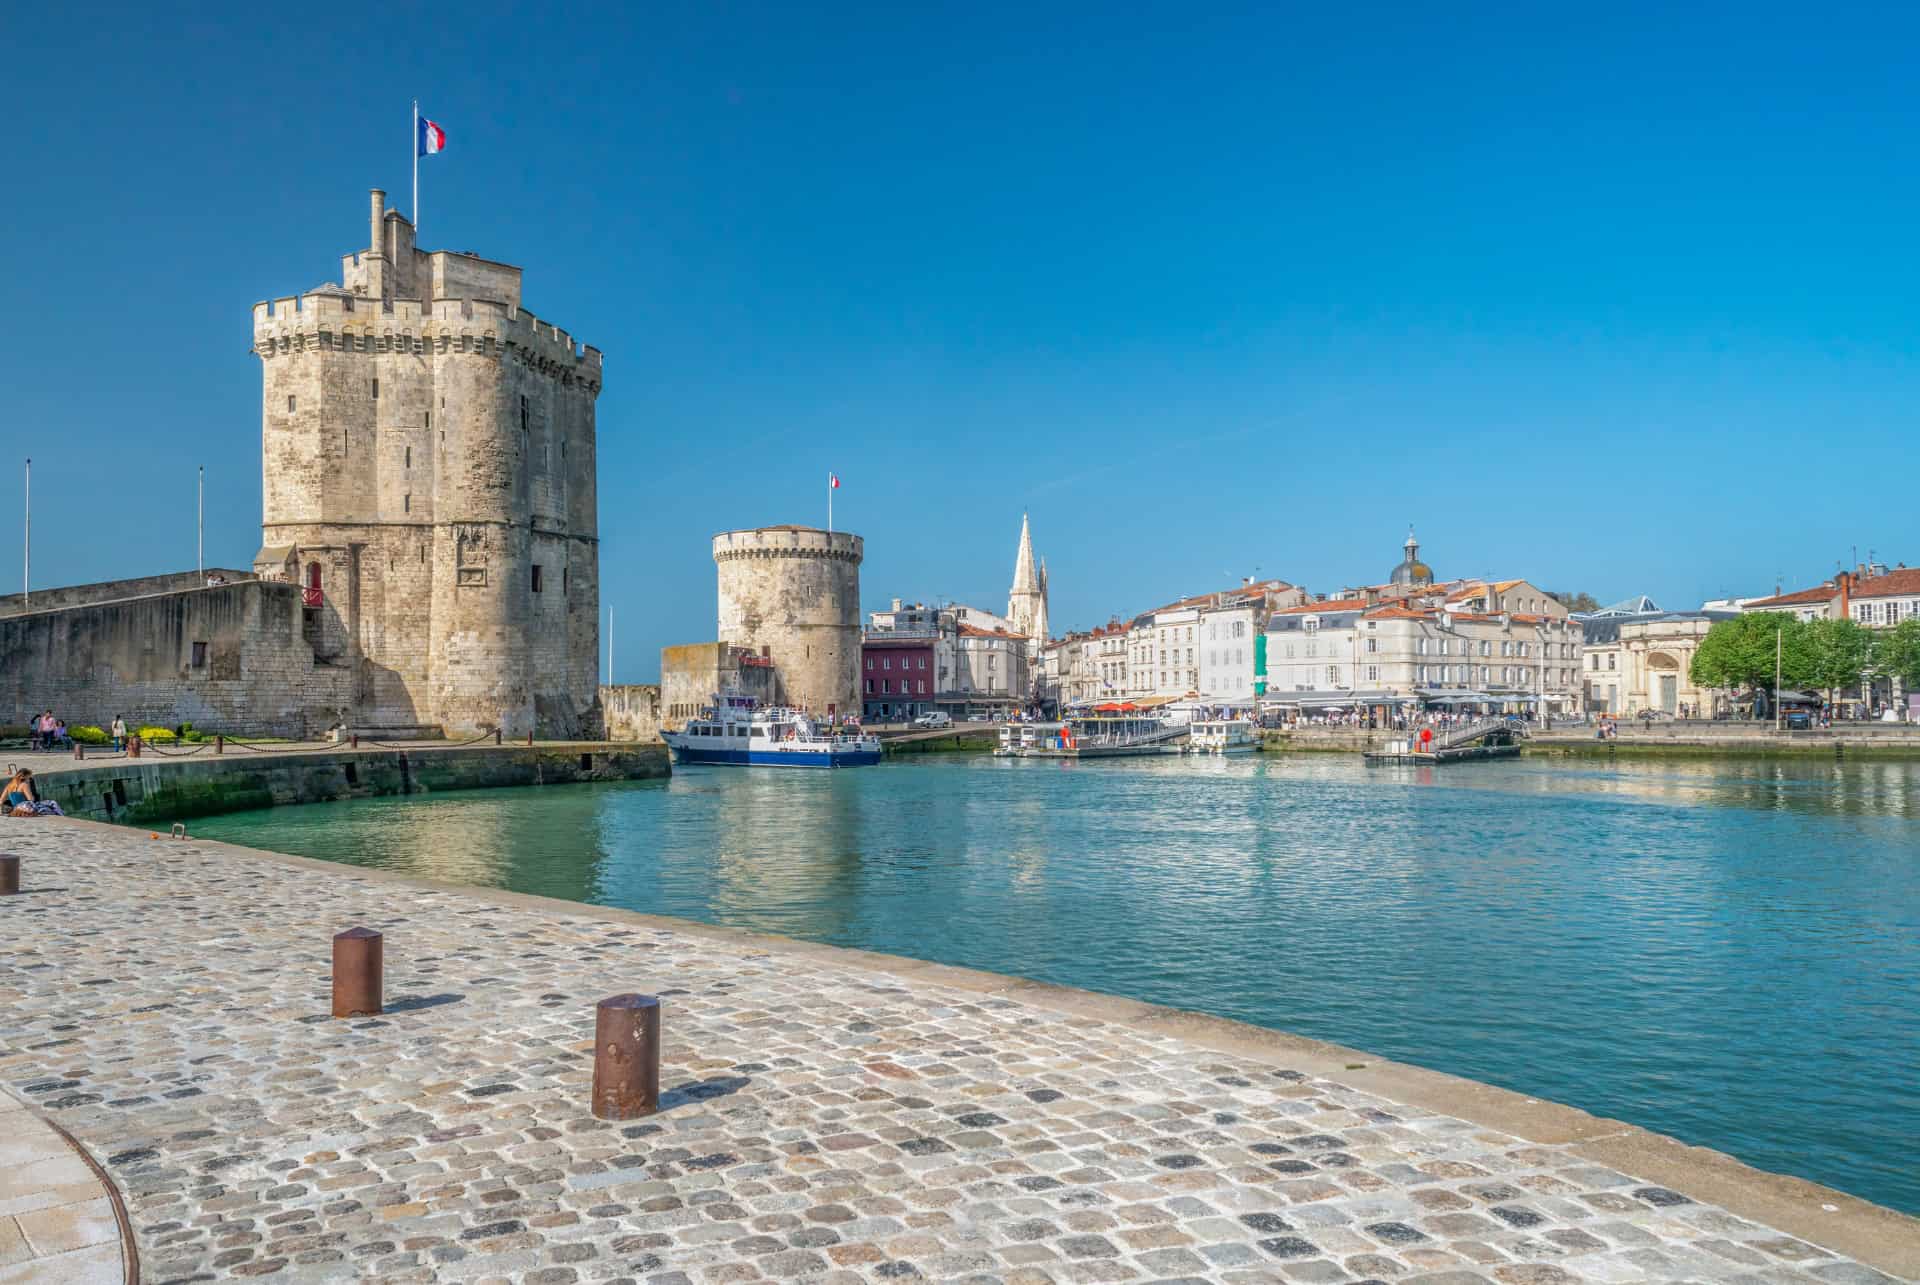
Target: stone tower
x,y
429,459
795,591
1027,600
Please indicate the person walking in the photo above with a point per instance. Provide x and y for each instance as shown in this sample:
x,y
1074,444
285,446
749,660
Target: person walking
x,y
119,732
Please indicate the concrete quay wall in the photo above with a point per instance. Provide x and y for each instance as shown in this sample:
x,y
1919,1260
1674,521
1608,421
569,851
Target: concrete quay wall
x,y
158,791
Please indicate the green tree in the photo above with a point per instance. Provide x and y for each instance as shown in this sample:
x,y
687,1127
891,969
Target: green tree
x,y
1739,652
1576,601
1896,653
1837,655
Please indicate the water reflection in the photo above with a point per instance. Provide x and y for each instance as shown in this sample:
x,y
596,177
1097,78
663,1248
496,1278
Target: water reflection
x,y
1665,942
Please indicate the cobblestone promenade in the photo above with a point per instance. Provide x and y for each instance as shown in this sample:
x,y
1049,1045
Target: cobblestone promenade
x,y
826,1118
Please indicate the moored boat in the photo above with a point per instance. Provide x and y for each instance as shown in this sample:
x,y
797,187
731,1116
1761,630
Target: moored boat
x,y
732,733
1223,736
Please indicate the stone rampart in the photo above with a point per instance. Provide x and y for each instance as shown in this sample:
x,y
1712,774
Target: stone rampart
x,y
159,791
632,712
230,659
86,595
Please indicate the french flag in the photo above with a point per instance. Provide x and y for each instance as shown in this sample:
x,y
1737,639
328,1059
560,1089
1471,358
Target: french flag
x,y
433,139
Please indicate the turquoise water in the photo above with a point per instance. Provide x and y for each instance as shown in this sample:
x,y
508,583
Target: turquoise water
x,y
1726,953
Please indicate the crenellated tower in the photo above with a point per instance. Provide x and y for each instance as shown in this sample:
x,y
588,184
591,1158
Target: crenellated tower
x,y
429,456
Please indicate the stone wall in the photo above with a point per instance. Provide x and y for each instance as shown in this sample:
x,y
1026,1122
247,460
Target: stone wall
x,y
229,659
691,674
158,792
86,595
632,712
795,592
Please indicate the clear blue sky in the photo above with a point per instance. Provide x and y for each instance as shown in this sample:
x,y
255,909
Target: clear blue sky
x,y
1621,301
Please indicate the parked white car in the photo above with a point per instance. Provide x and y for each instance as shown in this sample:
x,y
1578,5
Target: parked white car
x,y
936,719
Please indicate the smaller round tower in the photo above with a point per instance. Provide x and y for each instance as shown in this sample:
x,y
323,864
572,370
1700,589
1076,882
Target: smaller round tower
x,y
795,591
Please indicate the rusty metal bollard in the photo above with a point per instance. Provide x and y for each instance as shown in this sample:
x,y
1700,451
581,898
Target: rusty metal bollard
x,y
529,740
220,745
353,740
358,969
133,747
80,749
9,875
626,1057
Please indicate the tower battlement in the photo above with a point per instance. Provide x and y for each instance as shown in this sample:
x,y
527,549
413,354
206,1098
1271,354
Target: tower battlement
x,y
788,542
335,319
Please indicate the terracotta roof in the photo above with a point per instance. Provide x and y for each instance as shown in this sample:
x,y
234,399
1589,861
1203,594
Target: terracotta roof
x,y
974,631
1309,608
1819,593
1397,612
1899,581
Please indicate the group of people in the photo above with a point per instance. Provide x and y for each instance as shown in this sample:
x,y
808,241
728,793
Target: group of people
x,y
47,733
19,799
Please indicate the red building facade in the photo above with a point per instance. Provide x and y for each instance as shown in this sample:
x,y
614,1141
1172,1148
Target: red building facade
x,y
897,678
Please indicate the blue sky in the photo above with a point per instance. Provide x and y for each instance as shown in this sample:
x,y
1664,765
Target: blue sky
x,y
1619,300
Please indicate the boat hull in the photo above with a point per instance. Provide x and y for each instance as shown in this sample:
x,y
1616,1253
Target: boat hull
x,y
691,756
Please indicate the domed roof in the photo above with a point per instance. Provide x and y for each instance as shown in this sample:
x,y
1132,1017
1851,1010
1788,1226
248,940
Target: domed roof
x,y
1411,570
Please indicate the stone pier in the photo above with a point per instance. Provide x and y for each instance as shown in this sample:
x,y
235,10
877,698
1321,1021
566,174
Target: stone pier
x,y
826,1114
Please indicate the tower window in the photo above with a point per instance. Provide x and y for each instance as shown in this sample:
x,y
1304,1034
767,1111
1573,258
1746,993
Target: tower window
x,y
289,403
566,579
429,418
536,577
525,419
406,504
409,461
199,655
376,390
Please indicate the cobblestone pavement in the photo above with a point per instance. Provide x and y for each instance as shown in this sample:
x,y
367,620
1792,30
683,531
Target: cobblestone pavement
x,y
167,1002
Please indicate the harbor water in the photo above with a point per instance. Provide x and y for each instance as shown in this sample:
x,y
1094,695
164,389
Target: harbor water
x,y
1728,952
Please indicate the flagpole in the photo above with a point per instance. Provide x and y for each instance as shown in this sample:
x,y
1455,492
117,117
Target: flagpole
x,y
829,504
200,534
416,170
26,571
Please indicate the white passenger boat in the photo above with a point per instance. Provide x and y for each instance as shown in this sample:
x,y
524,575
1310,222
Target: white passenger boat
x,y
732,733
1223,736
1098,735
1017,739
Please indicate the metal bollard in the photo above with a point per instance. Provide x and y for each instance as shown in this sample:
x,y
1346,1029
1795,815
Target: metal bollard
x,y
219,745
626,1057
133,747
358,968
9,875
80,749
496,736
353,741
529,740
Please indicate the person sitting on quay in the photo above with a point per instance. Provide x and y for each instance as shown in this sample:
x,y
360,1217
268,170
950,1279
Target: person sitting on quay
x,y
18,799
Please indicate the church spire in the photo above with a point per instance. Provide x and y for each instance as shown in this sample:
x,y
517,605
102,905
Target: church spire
x,y
1025,579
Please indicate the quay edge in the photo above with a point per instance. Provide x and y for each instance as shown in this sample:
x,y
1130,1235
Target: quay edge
x,y
160,791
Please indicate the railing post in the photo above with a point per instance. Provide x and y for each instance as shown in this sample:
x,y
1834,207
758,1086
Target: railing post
x,y
80,749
